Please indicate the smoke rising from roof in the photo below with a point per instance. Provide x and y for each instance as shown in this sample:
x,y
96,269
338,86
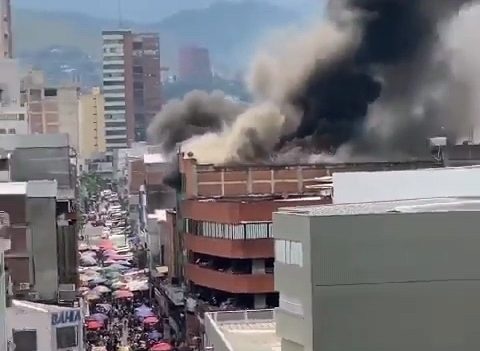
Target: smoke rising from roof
x,y
378,76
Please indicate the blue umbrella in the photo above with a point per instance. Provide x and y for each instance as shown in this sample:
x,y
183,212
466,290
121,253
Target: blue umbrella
x,y
143,311
155,335
98,280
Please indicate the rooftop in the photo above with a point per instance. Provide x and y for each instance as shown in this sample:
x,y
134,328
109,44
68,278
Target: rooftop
x,y
154,158
38,307
17,141
246,330
447,204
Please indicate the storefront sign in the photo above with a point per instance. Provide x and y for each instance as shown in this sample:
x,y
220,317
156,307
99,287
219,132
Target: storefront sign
x,y
70,317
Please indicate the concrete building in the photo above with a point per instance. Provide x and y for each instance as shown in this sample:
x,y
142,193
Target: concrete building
x,y
356,187
241,331
51,110
4,246
375,276
31,160
131,84
13,114
194,65
92,124
34,326
6,35
147,81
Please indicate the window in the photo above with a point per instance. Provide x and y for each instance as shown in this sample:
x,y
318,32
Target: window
x,y
114,99
113,75
50,92
138,85
138,69
114,108
137,45
113,66
116,132
3,131
12,131
245,231
111,83
21,117
25,340
67,337
289,252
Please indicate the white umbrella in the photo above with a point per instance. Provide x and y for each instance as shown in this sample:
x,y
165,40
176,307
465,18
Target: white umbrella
x,y
101,289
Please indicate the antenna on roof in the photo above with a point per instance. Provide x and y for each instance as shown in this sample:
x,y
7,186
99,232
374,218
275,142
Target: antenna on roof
x,y
120,20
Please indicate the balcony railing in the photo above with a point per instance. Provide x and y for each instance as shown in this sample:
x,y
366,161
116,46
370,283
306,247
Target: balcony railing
x,y
230,282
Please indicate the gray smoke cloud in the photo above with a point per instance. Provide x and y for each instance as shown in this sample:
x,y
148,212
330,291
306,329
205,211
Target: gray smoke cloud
x,y
376,78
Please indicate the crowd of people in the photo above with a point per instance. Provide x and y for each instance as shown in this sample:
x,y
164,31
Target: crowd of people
x,y
121,315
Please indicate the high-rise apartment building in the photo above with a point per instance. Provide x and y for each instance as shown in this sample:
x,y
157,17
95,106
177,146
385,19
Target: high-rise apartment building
x,y
92,124
131,84
147,85
194,65
6,47
51,109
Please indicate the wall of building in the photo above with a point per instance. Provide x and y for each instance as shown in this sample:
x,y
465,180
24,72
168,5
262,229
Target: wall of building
x,y
404,185
20,319
6,35
294,316
397,282
69,122
92,124
42,218
4,246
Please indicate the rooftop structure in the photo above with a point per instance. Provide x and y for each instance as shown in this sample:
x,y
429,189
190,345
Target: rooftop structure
x,y
387,274
241,331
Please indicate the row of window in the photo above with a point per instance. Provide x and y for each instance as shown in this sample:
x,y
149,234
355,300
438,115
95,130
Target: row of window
x,y
8,131
246,231
289,252
114,108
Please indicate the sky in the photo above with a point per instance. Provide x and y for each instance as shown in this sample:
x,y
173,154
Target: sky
x,y
138,10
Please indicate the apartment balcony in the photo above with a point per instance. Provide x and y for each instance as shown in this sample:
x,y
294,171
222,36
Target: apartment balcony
x,y
229,282
254,248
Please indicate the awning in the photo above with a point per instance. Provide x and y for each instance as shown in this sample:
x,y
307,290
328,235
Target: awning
x,y
160,271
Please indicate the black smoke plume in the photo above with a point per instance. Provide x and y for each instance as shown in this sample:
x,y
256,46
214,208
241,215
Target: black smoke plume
x,y
375,75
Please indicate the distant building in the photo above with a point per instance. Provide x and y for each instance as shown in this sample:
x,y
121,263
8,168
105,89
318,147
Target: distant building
x,y
51,109
377,276
131,84
194,65
6,47
13,114
92,124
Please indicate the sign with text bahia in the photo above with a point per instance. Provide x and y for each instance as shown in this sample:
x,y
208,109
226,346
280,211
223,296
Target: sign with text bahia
x,y
66,317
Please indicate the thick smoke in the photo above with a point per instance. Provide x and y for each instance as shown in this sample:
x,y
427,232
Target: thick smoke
x,y
378,77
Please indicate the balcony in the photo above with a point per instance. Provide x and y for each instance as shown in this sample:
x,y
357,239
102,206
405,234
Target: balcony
x,y
229,282
256,248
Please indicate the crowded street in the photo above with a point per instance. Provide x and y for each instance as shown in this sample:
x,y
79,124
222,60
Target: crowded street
x,y
119,312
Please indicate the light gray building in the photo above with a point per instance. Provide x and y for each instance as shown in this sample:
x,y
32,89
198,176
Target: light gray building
x,y
381,276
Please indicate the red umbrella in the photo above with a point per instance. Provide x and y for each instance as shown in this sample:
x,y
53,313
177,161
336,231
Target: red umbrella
x,y
162,346
106,244
150,320
94,324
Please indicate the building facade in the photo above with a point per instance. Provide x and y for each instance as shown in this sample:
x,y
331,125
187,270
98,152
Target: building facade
x,y
6,37
34,326
147,83
51,110
377,276
92,124
13,114
194,65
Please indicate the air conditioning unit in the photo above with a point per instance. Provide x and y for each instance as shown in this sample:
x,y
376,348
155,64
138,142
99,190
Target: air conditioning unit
x,y
24,286
34,296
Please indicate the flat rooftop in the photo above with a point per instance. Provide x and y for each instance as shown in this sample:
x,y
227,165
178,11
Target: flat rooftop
x,y
448,204
246,330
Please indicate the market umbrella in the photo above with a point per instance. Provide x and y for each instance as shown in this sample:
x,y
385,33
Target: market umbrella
x,y
119,285
94,325
150,320
143,311
162,346
98,317
118,267
154,335
138,286
82,247
123,294
98,280
101,289
106,244
113,274
88,260
90,296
